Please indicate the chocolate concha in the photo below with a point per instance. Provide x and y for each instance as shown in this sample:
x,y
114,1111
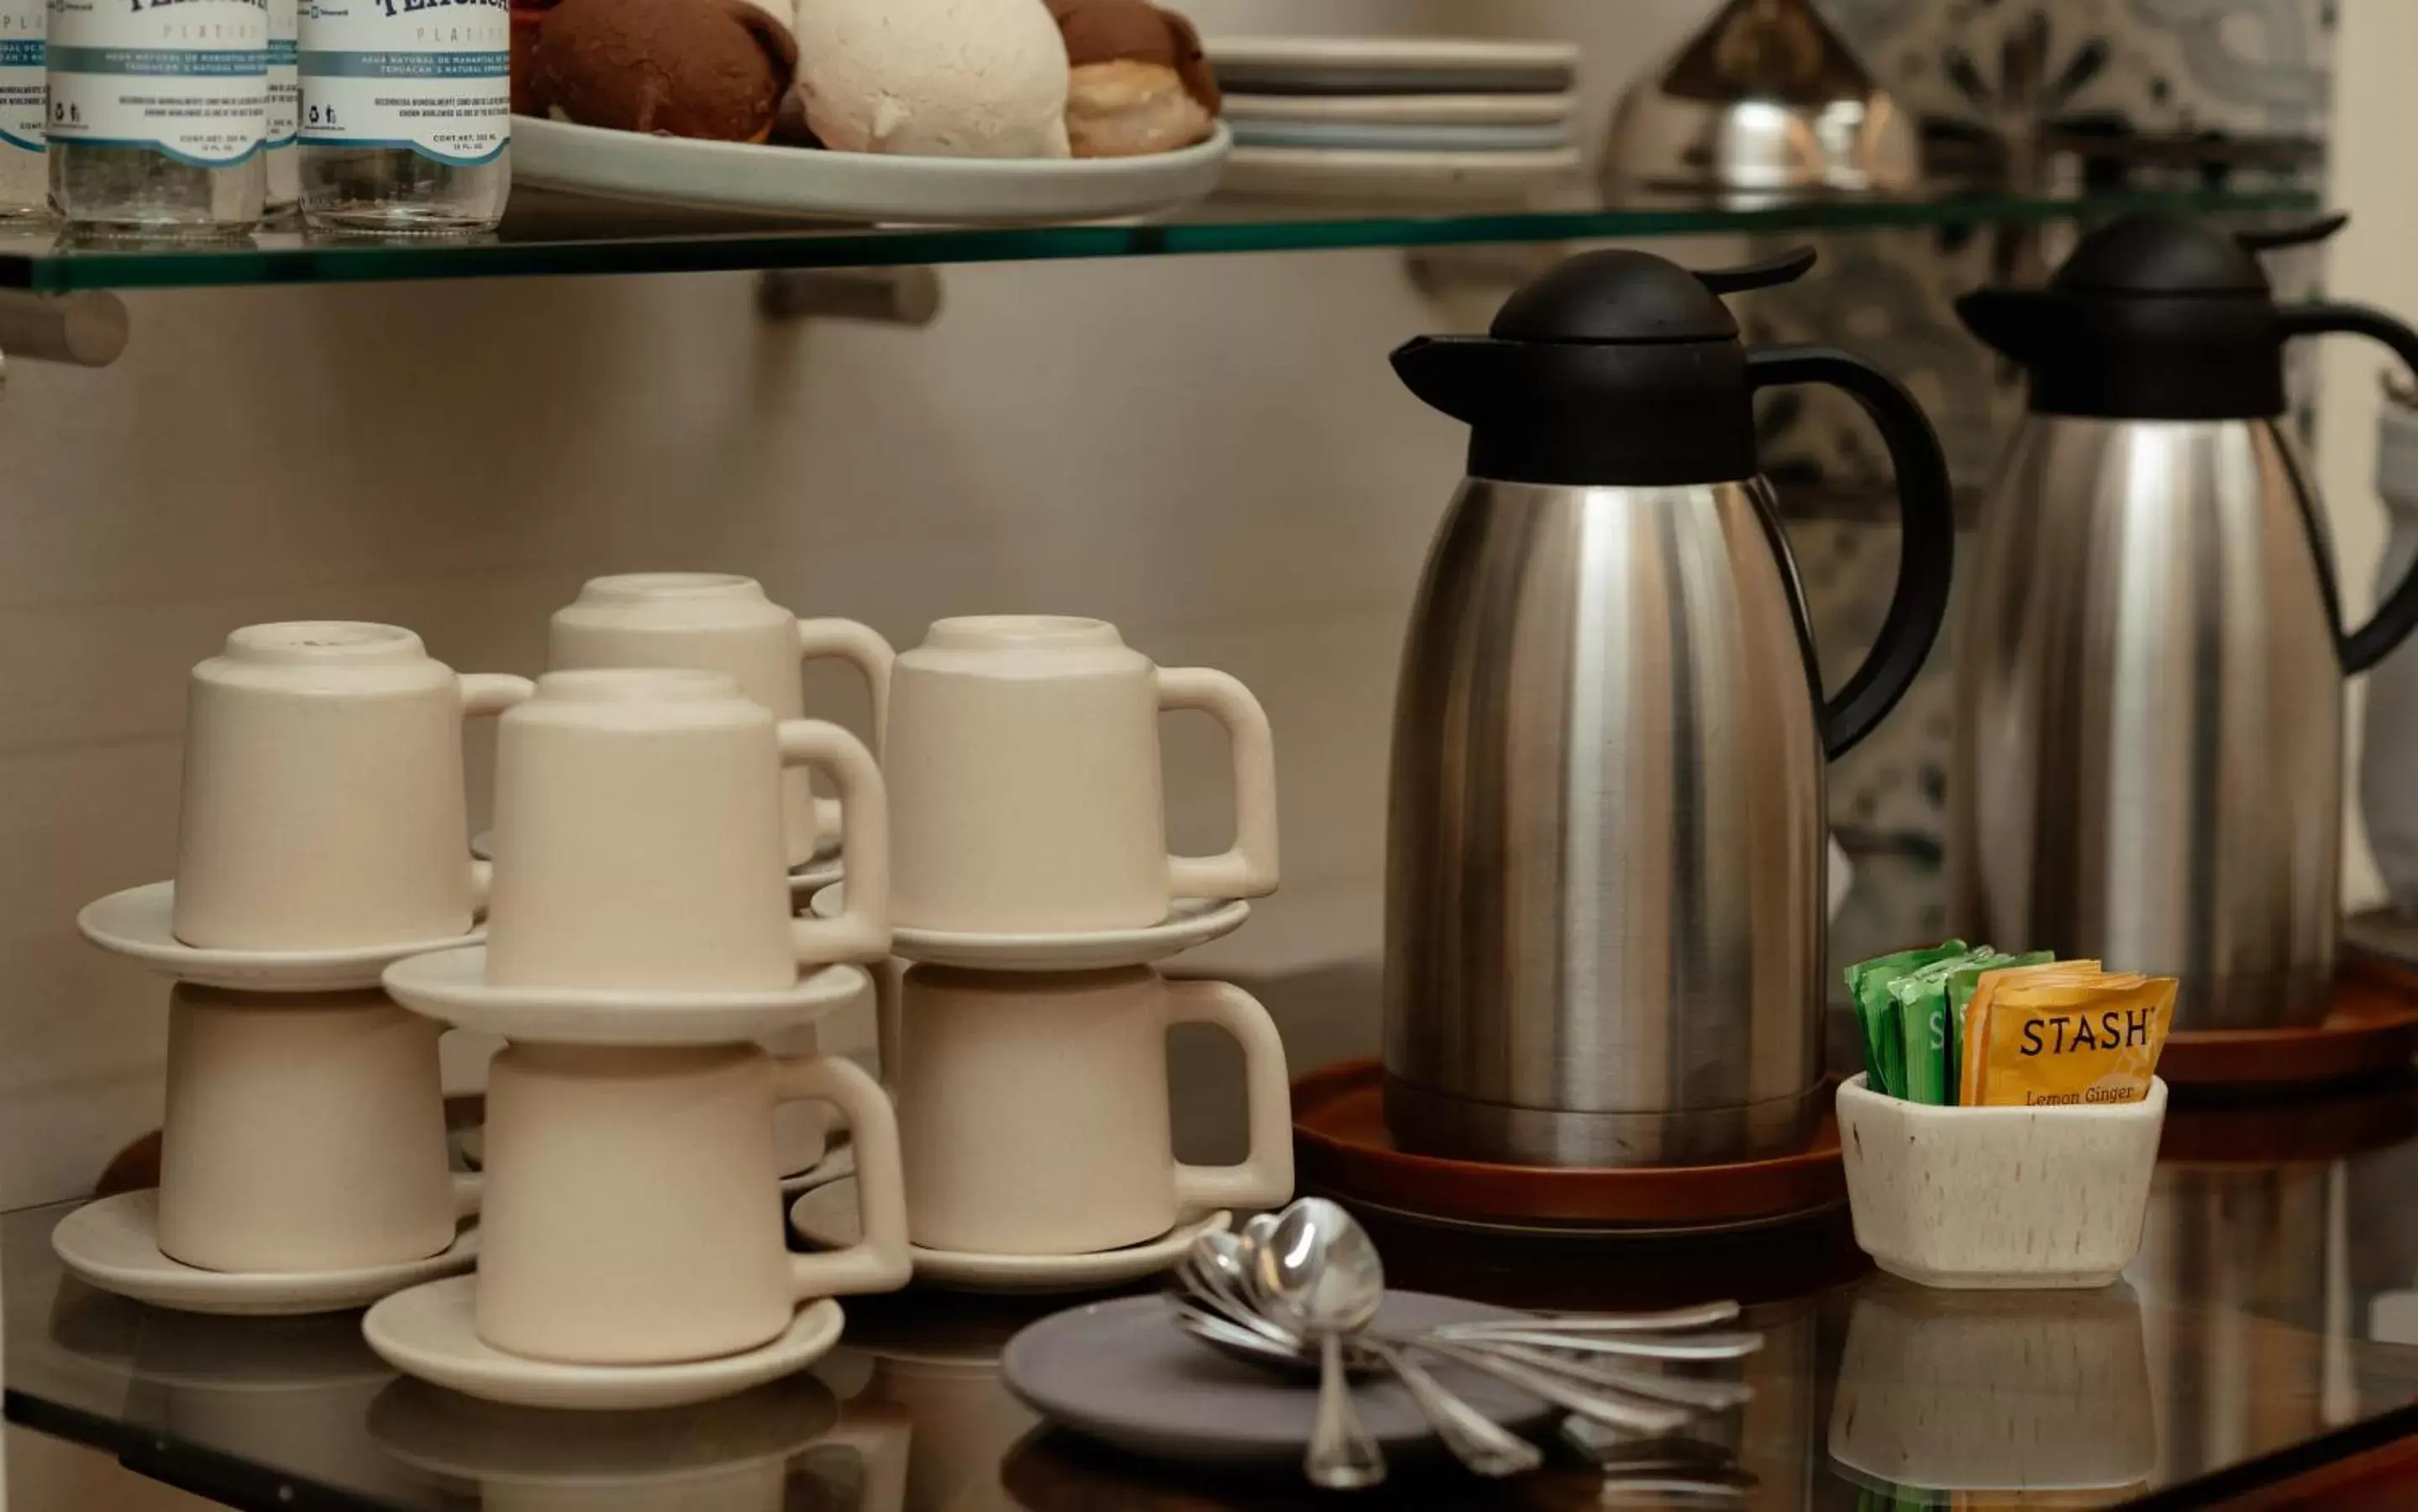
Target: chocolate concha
x,y
709,69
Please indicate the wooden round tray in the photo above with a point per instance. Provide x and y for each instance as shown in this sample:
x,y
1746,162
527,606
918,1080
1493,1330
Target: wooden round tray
x,y
2371,1031
1342,1148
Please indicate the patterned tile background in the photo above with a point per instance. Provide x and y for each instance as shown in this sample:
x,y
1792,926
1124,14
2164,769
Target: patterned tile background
x,y
2258,68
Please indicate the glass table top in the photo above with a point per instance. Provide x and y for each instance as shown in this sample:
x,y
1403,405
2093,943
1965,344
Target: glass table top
x,y
547,232
2266,1330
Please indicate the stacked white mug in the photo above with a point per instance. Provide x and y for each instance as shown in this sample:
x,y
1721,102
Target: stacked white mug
x,y
303,1163
642,943
722,622
1031,890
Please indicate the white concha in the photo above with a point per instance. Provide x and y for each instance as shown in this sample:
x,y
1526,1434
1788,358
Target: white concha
x,y
934,78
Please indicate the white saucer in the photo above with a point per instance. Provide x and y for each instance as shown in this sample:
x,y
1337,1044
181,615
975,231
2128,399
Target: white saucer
x,y
1494,177
1404,109
827,1216
428,1332
806,878
113,1244
1353,136
838,1164
451,986
1391,65
1192,922
138,924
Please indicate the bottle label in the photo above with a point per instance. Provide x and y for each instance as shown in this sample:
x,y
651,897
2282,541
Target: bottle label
x,y
433,76
23,86
285,78
189,77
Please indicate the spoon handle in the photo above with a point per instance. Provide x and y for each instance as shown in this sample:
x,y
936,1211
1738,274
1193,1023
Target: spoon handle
x,y
1341,1456
1704,1315
1636,1417
1476,1439
1684,1347
1711,1395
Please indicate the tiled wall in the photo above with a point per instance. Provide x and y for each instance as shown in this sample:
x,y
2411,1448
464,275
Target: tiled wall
x,y
1210,452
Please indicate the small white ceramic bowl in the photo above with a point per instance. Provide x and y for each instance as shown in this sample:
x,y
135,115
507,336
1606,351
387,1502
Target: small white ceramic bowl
x,y
1999,1196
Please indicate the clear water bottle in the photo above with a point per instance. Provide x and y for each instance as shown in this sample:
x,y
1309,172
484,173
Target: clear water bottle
x,y
282,147
156,116
407,116
24,171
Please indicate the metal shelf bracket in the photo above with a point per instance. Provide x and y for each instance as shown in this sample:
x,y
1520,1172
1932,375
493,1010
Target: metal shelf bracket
x,y
87,328
908,295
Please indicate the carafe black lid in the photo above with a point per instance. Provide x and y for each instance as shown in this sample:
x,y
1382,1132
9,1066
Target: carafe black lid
x,y
1614,368
2154,316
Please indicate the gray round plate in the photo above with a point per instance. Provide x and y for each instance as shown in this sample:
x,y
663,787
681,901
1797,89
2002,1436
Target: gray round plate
x,y
1122,1372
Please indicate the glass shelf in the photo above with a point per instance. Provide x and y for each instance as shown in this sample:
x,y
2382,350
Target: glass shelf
x,y
549,234
2262,1336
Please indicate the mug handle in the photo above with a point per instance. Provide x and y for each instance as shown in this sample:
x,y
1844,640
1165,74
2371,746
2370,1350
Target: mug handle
x,y
1249,869
863,647
484,694
878,1261
860,932
468,1188
1264,1178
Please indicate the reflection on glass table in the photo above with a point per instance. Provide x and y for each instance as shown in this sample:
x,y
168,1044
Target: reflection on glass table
x,y
548,233
2245,1347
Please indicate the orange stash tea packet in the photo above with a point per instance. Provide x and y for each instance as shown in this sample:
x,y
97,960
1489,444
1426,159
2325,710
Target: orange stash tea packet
x,y
1974,1028
2075,1042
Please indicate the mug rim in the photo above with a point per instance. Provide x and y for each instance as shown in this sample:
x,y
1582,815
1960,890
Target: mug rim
x,y
646,588
1021,631
318,642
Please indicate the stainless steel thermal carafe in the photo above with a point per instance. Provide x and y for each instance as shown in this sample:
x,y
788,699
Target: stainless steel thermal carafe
x,y
1605,905
2150,669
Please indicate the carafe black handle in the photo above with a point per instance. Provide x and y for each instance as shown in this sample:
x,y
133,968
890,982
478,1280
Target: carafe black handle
x,y
2397,615
1927,531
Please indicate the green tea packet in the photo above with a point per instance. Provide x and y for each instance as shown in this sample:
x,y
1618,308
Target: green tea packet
x,y
1961,983
1877,1011
1922,1000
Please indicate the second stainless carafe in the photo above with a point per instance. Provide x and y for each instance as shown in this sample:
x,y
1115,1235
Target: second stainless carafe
x,y
2150,671
1604,899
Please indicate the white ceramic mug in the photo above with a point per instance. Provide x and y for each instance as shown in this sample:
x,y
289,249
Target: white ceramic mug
x,y
1026,794
305,1132
629,1215
1032,1107
720,622
637,839
323,796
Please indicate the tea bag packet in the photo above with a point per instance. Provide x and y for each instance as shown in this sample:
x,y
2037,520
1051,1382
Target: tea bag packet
x,y
1933,1066
1974,1060
1877,1010
2055,1041
1960,987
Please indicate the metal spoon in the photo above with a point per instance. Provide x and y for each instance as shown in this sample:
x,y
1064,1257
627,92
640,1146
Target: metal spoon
x,y
1309,1275
1214,1277
1709,1396
1679,1347
1704,1315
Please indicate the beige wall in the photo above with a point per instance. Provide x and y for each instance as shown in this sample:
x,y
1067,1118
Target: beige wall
x,y
1209,452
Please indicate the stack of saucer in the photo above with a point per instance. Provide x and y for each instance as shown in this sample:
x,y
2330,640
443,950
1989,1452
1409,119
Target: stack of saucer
x,y
641,944
304,1164
1025,1042
1393,117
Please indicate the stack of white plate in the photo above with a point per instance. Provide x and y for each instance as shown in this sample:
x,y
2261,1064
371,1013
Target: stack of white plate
x,y
1396,117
